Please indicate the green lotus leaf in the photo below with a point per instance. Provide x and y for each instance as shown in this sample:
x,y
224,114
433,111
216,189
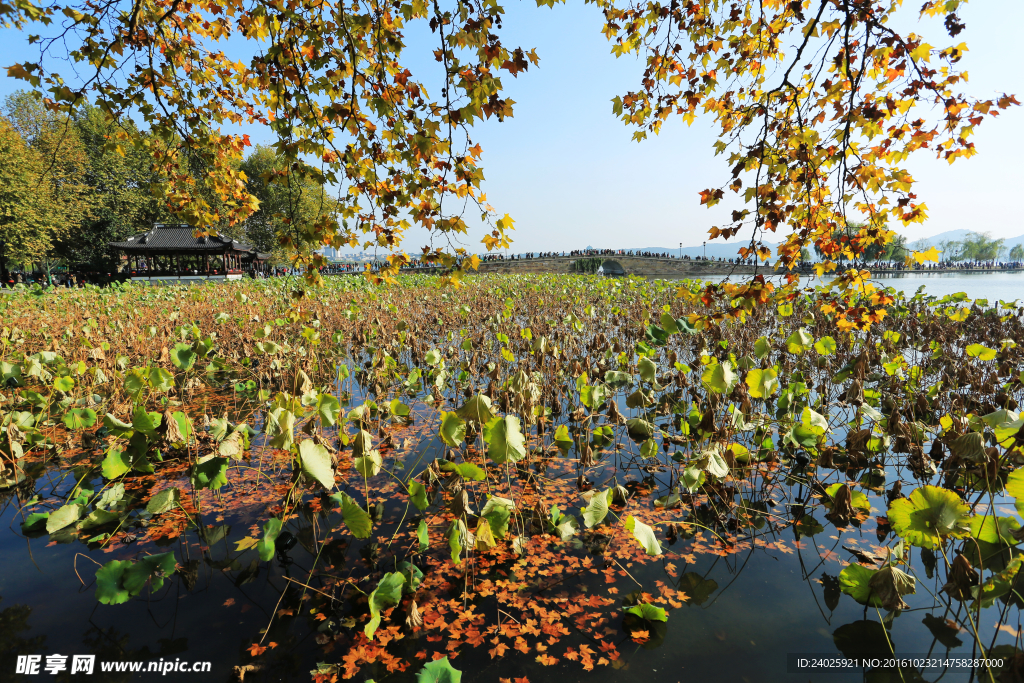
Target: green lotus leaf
x,y
720,377
453,429
826,346
929,515
970,447
639,429
316,463
328,408
994,530
762,383
466,470
183,357
63,517
857,498
116,426
423,536
418,495
644,535
505,440
80,418
355,517
647,612
368,465
210,473
163,501
855,581
476,409
116,463
109,589
597,509
648,370
498,511
439,671
145,422
266,545
799,341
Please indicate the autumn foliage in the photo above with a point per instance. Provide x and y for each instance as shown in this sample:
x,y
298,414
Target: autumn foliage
x,y
814,136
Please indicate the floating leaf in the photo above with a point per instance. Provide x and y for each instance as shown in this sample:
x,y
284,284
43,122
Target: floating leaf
x,y
644,534
439,671
63,517
647,612
164,501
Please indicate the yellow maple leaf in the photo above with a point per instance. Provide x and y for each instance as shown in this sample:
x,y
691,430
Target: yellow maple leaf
x,y
930,255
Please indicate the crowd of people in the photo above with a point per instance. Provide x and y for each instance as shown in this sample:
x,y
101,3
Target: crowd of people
x,y
948,265
586,253
59,279
81,278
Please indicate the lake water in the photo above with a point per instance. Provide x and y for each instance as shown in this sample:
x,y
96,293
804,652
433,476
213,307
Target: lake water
x,y
747,615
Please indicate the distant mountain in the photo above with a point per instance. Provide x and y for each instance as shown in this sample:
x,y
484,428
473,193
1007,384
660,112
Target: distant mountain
x,y
957,236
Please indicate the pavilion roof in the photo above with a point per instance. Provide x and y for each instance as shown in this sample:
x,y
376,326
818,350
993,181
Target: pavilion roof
x,y
174,238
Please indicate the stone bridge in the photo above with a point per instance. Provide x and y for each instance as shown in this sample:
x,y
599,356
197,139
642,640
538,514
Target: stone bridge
x,y
644,266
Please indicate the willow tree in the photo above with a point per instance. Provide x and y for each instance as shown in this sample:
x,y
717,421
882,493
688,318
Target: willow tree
x,y
815,136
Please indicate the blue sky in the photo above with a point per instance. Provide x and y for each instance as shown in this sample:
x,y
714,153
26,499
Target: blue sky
x,y
568,173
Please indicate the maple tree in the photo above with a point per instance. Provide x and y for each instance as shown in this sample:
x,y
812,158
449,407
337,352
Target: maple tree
x,y
813,135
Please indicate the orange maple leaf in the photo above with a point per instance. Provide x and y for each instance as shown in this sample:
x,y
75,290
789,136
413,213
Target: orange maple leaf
x,y
547,660
256,649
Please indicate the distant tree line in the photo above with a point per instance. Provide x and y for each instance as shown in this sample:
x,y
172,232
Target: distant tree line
x,y
68,188
979,246
976,246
